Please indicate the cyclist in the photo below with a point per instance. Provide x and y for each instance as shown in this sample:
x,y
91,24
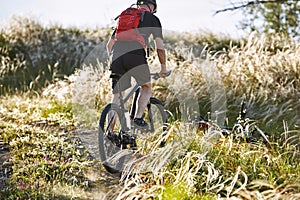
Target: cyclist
x,y
129,59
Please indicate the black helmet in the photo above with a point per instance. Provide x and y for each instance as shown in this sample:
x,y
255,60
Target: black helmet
x,y
143,2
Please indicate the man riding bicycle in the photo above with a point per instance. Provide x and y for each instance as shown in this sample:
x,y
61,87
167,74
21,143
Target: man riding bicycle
x,y
129,56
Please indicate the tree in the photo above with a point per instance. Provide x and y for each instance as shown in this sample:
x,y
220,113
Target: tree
x,y
270,16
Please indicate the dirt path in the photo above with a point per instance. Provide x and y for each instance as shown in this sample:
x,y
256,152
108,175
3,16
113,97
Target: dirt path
x,y
89,140
103,184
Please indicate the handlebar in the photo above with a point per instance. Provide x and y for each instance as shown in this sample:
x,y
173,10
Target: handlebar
x,y
156,76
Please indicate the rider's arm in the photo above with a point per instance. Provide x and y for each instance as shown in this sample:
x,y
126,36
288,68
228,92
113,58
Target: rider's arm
x,y
161,54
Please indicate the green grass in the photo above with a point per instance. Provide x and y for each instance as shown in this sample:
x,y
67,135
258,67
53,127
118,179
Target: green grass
x,y
44,154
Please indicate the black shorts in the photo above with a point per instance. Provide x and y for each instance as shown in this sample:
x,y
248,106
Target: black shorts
x,y
129,65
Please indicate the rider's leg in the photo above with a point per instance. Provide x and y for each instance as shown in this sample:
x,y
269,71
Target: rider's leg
x,y
143,99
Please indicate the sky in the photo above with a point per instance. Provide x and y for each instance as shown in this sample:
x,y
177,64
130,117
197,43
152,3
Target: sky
x,y
182,16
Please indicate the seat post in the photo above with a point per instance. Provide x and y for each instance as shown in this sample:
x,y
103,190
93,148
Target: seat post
x,y
121,100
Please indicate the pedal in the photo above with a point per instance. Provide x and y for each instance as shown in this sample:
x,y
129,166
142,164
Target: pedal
x,y
128,141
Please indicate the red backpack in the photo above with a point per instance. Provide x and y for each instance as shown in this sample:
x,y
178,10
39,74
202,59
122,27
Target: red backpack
x,y
127,27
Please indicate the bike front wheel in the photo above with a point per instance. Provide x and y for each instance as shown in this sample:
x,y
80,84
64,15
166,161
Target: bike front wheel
x,y
155,115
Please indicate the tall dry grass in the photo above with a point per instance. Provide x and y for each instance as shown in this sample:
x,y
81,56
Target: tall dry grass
x,y
266,69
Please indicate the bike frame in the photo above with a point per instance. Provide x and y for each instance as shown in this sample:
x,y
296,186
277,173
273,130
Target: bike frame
x,y
134,91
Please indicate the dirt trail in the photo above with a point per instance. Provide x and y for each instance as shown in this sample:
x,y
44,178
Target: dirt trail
x,y
89,140
104,185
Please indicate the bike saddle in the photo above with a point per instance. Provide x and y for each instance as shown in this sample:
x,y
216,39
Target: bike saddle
x,y
115,75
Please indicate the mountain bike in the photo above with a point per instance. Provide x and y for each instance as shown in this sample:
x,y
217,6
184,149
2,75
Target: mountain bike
x,y
243,129
117,136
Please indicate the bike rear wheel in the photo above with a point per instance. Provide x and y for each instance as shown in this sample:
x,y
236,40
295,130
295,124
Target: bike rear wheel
x,y
110,129
113,153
